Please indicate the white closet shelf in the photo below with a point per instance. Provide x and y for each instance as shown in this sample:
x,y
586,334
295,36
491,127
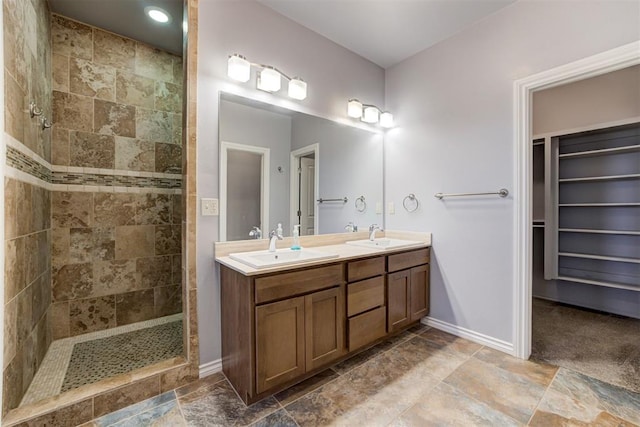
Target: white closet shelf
x,y
593,231
600,283
602,205
601,178
600,257
602,152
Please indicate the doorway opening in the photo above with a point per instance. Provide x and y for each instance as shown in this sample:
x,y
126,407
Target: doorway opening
x,y
244,188
304,189
616,59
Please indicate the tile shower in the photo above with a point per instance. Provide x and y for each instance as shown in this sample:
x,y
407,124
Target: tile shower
x,y
92,205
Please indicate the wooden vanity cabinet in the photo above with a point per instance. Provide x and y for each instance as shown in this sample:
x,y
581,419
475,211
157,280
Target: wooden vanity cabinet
x,y
280,328
407,288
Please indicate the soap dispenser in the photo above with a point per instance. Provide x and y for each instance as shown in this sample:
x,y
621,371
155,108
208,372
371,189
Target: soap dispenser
x,y
296,238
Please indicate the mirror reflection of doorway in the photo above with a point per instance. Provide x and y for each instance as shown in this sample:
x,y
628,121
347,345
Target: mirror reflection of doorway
x,y
304,189
244,190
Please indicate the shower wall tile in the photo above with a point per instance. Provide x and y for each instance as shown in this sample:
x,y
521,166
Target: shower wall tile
x,y
135,154
92,314
177,209
60,320
24,307
134,89
10,331
111,118
112,209
176,137
92,79
168,239
12,385
72,111
72,281
60,73
168,158
168,300
176,269
154,63
154,271
115,277
10,208
60,247
168,97
111,49
15,105
71,209
135,306
154,209
136,241
59,145
14,263
152,125
91,244
91,150
71,38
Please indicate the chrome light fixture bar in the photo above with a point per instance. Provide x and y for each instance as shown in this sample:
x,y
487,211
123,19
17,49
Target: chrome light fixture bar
x,y
369,113
269,78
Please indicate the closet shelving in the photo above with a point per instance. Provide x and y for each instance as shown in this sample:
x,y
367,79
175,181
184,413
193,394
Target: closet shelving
x,y
592,206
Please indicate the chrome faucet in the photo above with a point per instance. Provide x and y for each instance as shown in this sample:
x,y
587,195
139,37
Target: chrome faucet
x,y
351,227
255,233
273,236
372,231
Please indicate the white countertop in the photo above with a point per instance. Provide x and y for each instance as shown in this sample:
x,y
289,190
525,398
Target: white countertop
x,y
331,244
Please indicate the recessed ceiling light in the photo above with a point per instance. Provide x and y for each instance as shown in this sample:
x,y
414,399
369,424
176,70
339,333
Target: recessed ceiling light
x,y
157,14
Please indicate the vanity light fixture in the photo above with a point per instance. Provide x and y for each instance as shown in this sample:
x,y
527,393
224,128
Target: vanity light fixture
x,y
269,78
369,113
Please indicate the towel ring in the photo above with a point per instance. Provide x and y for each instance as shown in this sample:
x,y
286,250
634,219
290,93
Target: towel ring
x,y
361,205
410,203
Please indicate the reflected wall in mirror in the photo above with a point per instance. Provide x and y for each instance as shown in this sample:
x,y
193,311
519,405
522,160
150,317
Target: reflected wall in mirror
x,y
277,164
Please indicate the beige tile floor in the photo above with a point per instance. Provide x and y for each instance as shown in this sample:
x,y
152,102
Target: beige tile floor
x,y
424,377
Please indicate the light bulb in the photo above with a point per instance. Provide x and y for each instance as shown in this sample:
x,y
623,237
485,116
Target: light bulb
x,y
269,80
386,120
371,115
239,68
354,108
297,88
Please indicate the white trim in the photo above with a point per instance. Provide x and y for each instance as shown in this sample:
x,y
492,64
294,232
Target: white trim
x,y
474,336
210,368
293,182
602,63
264,184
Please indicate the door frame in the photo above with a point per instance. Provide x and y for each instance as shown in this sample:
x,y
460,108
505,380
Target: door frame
x,y
602,63
225,146
294,185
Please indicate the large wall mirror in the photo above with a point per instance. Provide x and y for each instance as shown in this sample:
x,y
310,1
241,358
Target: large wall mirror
x,y
282,166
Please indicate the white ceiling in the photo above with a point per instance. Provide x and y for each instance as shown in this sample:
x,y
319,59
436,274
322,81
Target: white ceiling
x,y
386,31
127,18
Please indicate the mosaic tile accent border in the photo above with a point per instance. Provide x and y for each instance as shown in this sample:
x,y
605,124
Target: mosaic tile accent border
x,y
67,178
26,162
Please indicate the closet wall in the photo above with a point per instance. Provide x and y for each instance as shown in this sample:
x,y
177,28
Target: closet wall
x,y
603,99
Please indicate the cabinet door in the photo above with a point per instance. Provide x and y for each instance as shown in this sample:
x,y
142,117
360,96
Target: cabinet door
x,y
398,294
280,354
419,297
325,326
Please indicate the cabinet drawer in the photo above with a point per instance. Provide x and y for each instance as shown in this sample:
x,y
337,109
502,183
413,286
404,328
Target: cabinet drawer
x,y
365,295
408,259
366,328
297,283
358,270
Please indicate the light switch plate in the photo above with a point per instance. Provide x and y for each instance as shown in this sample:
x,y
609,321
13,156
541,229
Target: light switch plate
x,y
392,208
210,207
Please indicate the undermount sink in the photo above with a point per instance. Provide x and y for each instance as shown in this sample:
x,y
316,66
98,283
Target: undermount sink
x,y
384,243
265,259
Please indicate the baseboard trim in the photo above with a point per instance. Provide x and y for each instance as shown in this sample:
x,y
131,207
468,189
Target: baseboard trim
x,y
210,368
474,336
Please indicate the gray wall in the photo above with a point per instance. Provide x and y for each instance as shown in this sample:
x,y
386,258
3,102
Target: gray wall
x,y
246,125
455,132
333,73
350,165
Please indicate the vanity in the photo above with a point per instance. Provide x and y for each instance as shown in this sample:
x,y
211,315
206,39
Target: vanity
x,y
282,324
